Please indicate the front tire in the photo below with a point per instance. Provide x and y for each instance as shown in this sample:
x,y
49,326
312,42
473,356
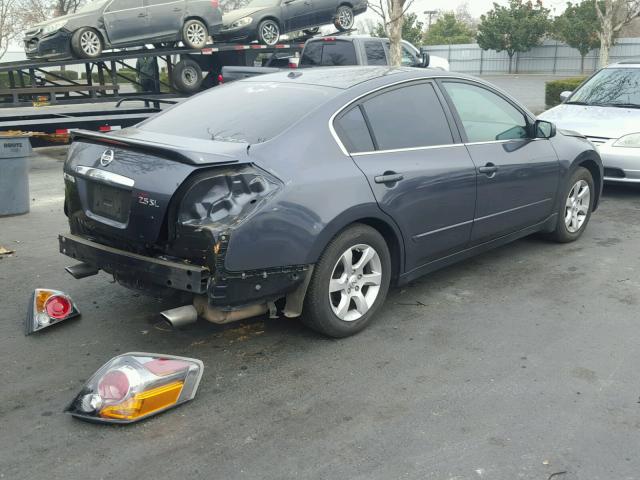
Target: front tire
x,y
194,34
344,18
575,207
349,284
86,43
269,32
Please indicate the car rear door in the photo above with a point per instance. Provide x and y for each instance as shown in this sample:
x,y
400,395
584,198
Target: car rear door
x,y
420,173
517,174
298,14
165,16
126,21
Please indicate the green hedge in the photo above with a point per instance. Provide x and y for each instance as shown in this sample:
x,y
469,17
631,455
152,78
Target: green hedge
x,y
554,88
68,74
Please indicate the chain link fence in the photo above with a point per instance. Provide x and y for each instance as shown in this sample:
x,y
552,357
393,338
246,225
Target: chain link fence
x,y
551,57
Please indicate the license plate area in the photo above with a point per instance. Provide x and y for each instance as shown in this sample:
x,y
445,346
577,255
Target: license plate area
x,y
110,202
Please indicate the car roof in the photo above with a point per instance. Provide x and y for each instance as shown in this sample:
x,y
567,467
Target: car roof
x,y
625,64
348,77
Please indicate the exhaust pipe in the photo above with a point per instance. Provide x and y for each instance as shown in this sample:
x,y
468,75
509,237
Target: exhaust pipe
x,y
181,316
221,317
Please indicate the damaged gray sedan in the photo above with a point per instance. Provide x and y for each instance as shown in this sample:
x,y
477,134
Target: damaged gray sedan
x,y
312,192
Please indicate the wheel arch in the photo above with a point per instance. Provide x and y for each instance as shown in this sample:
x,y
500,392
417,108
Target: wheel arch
x,y
373,217
591,165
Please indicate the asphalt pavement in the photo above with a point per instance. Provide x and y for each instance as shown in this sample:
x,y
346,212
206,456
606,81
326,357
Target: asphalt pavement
x,y
518,364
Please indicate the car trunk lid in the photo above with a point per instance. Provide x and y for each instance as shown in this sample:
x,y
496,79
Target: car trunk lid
x,y
119,187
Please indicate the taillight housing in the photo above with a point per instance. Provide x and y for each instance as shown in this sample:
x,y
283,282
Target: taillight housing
x,y
135,386
48,307
225,195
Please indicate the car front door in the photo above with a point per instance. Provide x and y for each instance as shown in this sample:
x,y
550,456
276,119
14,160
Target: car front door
x,y
165,16
298,14
126,21
517,173
420,173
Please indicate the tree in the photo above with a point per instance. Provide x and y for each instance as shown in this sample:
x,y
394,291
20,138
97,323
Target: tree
x,y
613,16
448,30
9,27
412,29
516,28
578,27
392,13
36,11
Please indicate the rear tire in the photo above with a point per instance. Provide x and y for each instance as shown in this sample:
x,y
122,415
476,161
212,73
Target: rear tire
x,y
194,34
575,208
349,283
344,18
86,43
187,76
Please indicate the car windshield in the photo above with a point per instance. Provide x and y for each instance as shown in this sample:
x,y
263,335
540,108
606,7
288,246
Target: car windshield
x,y
610,87
262,3
243,111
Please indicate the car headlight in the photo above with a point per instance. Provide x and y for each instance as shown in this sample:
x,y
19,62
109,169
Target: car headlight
x,y
134,386
243,22
53,27
629,141
224,196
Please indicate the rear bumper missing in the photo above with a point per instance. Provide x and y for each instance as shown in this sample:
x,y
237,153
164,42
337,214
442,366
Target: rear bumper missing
x,y
130,266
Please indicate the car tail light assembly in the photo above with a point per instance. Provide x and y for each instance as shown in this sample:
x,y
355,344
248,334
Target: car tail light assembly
x,y
48,307
135,386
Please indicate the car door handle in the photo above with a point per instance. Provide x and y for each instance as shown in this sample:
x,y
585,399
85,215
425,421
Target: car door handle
x,y
489,169
389,177
142,15
177,9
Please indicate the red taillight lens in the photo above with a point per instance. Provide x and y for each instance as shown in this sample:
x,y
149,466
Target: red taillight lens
x,y
220,78
114,386
58,307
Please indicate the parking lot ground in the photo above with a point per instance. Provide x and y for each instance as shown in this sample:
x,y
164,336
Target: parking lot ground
x,y
518,364
528,89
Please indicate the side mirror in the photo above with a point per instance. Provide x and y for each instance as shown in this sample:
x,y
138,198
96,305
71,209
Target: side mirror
x,y
426,58
544,129
565,95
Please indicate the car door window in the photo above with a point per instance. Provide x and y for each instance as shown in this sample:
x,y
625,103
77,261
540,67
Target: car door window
x,y
375,53
408,59
407,117
312,54
352,130
117,5
486,116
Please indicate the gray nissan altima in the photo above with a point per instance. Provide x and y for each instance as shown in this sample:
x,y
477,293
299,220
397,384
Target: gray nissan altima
x,y
104,24
311,192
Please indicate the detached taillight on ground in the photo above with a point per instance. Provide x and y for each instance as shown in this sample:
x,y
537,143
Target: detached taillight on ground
x,y
48,307
135,386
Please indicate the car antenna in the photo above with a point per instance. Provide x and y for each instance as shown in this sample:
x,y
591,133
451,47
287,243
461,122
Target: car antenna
x,y
294,74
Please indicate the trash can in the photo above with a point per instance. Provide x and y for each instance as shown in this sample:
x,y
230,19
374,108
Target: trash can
x,y
15,150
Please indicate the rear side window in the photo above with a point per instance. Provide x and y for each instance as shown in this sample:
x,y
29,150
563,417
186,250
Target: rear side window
x,y
375,53
243,111
352,130
407,117
338,53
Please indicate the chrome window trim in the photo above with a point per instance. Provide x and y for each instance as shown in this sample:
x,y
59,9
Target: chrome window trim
x,y
104,176
106,10
344,150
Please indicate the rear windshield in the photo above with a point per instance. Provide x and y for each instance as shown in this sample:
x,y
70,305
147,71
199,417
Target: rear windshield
x,y
243,111
336,53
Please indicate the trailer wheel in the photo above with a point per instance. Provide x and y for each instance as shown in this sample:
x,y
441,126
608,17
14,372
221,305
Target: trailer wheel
x,y
194,34
86,43
187,76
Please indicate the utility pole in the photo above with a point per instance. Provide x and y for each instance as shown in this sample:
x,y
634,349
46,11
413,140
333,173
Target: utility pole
x,y
431,14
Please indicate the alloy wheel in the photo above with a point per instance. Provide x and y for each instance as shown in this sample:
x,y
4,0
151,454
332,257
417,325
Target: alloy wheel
x,y
196,34
270,33
355,282
345,18
577,206
90,43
